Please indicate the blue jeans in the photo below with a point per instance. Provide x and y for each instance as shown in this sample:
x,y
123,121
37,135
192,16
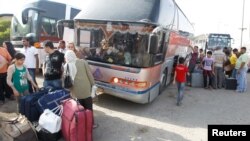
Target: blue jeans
x,y
242,80
180,87
56,84
32,73
234,72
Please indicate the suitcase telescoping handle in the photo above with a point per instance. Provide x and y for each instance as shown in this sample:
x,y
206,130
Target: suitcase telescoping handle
x,y
75,99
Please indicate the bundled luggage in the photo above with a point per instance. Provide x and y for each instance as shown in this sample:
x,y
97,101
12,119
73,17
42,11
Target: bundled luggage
x,y
52,100
16,127
28,105
77,122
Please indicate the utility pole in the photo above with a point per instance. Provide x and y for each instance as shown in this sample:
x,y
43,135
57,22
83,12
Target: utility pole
x,y
242,24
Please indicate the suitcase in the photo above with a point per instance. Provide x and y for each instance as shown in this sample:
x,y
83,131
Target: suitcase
x,y
28,105
77,122
16,127
230,84
197,80
52,99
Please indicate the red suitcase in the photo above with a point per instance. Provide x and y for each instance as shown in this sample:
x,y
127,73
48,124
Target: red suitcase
x,y
77,122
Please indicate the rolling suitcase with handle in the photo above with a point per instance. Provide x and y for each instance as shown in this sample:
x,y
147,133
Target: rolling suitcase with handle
x,y
230,84
77,122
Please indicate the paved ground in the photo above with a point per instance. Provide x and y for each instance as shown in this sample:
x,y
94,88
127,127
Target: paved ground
x,y
162,120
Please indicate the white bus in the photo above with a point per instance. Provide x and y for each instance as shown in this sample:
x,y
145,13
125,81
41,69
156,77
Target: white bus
x,y
212,40
132,50
38,21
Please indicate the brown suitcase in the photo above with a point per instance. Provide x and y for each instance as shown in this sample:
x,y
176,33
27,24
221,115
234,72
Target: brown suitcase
x,y
16,127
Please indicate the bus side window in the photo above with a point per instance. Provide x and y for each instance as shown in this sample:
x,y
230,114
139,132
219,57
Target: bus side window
x,y
161,43
48,27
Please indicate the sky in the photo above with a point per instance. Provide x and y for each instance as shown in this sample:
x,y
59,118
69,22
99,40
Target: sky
x,y
207,16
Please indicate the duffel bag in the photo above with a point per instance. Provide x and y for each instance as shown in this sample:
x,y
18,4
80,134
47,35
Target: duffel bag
x,y
52,100
16,127
28,105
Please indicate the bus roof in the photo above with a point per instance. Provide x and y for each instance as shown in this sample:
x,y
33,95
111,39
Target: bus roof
x,y
121,10
158,12
53,9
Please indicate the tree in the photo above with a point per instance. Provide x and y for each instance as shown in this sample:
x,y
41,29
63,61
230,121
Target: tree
x,y
4,31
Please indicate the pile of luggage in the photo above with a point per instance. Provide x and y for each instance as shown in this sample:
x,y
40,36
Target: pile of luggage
x,y
46,116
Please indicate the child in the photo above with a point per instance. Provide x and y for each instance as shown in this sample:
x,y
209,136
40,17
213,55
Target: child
x,y
180,77
17,76
208,69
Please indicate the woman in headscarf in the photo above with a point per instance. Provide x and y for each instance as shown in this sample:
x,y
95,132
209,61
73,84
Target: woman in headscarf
x,y
82,79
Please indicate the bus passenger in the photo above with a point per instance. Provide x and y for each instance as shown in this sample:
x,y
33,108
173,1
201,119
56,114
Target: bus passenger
x,y
218,56
17,77
31,61
208,69
82,78
241,67
5,60
61,48
192,62
127,57
10,48
232,59
52,67
71,46
180,78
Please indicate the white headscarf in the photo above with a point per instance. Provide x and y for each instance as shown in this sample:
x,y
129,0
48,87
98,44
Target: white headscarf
x,y
70,59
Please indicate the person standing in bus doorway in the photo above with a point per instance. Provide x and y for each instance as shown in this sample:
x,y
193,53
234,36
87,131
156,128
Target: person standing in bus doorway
x,y
208,69
219,57
52,67
181,71
31,62
62,47
83,80
5,60
241,68
192,62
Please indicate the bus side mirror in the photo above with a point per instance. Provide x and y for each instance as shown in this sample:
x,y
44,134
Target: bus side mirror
x,y
25,16
153,43
25,13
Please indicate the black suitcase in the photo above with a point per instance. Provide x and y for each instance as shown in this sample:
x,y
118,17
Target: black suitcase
x,y
44,135
230,84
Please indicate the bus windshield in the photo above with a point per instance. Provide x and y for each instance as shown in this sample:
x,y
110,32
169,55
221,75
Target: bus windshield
x,y
19,30
124,47
219,41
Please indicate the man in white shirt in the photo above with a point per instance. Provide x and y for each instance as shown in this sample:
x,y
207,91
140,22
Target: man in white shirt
x,y
31,60
62,46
